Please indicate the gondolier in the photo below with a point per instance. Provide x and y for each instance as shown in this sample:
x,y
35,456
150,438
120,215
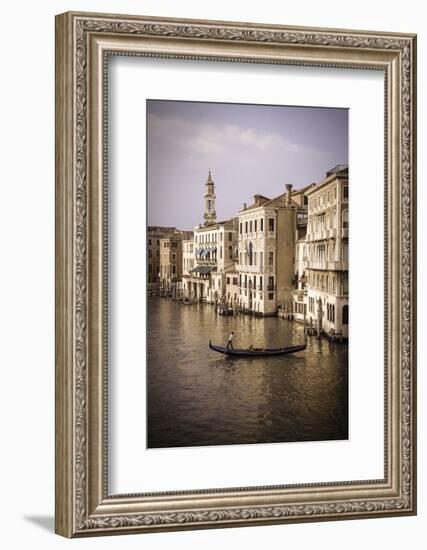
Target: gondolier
x,y
230,341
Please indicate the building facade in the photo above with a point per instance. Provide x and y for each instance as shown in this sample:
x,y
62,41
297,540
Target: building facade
x,y
215,255
212,254
170,262
267,231
154,234
327,253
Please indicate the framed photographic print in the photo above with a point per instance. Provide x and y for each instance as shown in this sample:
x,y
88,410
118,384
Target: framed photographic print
x,y
235,274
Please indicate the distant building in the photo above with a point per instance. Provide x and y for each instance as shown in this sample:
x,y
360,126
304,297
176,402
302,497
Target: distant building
x,y
171,262
327,253
213,254
154,234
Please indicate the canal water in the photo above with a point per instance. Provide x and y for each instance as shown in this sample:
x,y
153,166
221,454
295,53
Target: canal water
x,y
196,396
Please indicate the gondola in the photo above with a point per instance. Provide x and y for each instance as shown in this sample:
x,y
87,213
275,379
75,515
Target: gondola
x,y
257,352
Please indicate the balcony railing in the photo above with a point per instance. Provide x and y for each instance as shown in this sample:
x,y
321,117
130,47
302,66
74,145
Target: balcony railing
x,y
328,265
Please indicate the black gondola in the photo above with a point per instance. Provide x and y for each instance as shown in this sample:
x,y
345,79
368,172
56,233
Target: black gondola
x,y
257,352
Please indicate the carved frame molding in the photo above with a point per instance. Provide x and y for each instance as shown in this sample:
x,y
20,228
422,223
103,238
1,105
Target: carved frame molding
x,y
83,43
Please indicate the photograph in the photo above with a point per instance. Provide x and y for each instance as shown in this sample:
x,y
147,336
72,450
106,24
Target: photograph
x,y
247,259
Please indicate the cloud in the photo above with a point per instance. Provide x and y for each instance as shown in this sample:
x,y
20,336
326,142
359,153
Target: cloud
x,y
207,139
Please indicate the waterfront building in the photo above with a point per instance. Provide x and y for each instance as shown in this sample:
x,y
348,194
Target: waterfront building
x,y
188,263
266,247
171,266
214,253
327,253
154,234
299,308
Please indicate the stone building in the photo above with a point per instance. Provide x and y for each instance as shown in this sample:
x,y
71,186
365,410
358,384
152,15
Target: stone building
x,y
267,231
154,234
327,253
214,256
300,304
214,253
171,265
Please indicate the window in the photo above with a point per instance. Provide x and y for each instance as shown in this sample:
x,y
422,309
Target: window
x,y
230,252
271,295
345,315
271,283
255,225
220,237
246,227
261,255
270,259
250,253
254,258
158,242
345,252
234,280
345,192
345,283
240,228
174,244
174,270
230,236
345,219
261,222
228,280
271,224
149,242
250,226
260,283
220,252
150,253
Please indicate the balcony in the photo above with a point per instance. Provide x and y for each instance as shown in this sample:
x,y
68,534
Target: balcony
x,y
241,268
328,265
271,235
206,261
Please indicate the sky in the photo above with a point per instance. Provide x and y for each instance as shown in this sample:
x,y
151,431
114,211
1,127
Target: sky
x,y
249,149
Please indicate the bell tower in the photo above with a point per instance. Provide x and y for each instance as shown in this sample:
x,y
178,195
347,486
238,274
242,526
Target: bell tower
x,y
209,196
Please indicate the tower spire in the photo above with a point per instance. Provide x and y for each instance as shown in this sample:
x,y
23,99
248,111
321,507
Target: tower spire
x,y
209,196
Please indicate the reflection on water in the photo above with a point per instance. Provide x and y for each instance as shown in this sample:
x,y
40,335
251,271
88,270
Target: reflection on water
x,y
199,397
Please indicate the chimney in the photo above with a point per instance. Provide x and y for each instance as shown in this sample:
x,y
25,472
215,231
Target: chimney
x,y
244,206
288,194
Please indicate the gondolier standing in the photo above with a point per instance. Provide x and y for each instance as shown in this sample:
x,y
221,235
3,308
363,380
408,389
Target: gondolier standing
x,y
230,341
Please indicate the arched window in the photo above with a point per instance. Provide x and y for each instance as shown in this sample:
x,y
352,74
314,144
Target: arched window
x,y
251,253
345,315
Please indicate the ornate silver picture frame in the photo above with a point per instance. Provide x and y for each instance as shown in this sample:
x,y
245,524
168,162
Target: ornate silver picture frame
x,y
84,42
